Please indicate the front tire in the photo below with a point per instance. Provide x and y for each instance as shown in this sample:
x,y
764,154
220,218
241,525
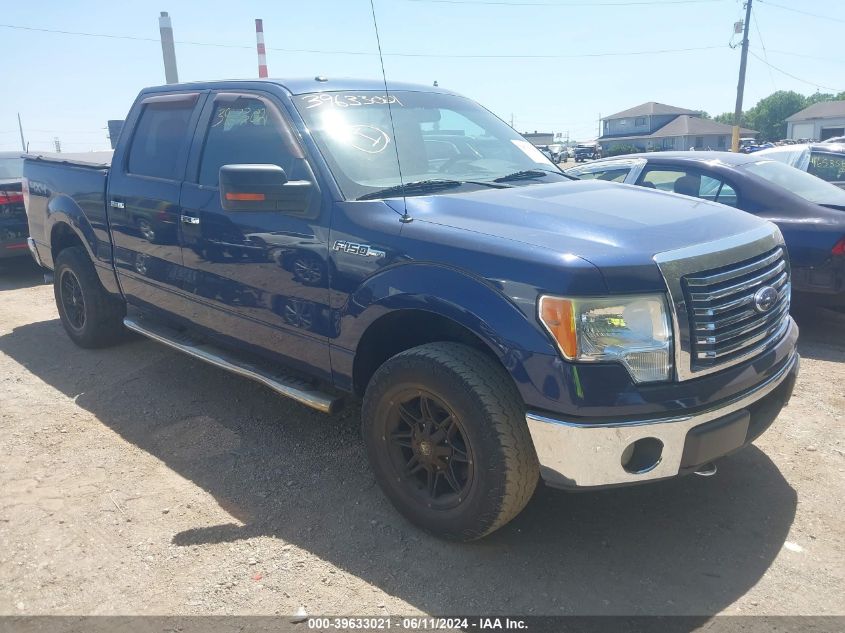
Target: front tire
x,y
90,315
445,432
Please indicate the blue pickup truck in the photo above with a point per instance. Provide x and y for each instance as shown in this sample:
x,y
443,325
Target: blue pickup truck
x,y
500,321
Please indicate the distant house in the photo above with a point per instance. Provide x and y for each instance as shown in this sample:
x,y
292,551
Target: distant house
x,y
656,126
817,122
540,138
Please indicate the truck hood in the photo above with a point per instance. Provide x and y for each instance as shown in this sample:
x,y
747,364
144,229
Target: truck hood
x,y
619,228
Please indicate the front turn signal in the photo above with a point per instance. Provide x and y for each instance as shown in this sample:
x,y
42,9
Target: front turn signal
x,y
558,316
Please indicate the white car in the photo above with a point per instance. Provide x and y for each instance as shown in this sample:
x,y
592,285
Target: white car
x,y
825,160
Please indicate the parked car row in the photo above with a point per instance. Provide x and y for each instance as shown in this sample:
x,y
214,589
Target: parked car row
x,y
809,212
13,228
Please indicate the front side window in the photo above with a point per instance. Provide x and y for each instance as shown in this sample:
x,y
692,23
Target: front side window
x,y
438,137
827,166
159,136
249,130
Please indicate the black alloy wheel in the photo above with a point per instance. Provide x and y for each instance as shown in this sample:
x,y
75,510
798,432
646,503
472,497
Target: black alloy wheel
x,y
73,302
429,450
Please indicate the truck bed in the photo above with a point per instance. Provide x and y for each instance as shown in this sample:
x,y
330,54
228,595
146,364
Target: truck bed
x,y
70,187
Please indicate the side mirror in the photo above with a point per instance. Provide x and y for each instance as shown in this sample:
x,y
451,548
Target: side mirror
x,y
262,188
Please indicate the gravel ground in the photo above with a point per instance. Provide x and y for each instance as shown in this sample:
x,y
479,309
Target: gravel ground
x,y
134,480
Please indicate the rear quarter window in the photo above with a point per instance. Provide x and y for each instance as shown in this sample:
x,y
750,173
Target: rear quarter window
x,y
160,133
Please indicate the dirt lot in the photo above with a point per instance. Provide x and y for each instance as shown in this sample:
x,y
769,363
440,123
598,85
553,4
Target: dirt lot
x,y
134,480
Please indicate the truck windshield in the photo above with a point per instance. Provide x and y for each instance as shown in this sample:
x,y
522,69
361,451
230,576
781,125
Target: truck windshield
x,y
11,168
798,182
439,137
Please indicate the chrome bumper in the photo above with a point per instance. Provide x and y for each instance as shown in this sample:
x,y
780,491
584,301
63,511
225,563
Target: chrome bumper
x,y
588,455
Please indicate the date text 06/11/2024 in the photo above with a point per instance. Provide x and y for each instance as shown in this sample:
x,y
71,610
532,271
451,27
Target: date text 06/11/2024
x,y
417,623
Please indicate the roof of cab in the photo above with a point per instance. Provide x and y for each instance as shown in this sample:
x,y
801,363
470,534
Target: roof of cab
x,y
298,86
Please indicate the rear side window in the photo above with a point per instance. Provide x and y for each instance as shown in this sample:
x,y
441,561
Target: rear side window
x,y
159,135
690,183
11,168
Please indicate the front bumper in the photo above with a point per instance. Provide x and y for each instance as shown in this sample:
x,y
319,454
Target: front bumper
x,y
579,455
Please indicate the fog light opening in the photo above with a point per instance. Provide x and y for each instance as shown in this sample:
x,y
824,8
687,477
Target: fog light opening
x,y
642,455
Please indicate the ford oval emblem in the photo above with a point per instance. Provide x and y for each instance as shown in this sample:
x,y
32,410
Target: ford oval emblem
x,y
765,298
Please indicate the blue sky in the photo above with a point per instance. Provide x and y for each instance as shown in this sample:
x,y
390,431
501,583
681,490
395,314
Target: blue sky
x,y
552,65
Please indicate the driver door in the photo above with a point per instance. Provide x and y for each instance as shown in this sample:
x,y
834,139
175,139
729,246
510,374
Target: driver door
x,y
255,278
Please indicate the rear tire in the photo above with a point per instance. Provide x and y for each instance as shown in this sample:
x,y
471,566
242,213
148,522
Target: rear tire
x,y
448,414
90,315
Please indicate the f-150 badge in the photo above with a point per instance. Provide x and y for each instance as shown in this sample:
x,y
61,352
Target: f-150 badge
x,y
364,250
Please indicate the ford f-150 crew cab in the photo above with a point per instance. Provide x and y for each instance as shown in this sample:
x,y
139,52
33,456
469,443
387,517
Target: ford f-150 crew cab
x,y
500,321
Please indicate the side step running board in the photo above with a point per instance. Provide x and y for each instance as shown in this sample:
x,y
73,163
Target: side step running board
x,y
289,386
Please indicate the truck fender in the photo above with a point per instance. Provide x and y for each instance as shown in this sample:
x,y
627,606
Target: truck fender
x,y
468,301
63,209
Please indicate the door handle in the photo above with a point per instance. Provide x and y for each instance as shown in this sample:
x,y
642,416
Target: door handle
x,y
189,219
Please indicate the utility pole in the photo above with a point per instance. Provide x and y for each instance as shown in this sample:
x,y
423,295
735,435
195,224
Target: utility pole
x,y
168,49
740,87
20,127
260,47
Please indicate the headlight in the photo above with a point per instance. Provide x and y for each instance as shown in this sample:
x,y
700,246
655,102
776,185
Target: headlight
x,y
632,330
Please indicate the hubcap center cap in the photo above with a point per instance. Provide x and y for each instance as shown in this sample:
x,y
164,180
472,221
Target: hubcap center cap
x,y
426,448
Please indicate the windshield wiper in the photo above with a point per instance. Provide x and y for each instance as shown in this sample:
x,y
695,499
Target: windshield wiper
x,y
527,174
426,186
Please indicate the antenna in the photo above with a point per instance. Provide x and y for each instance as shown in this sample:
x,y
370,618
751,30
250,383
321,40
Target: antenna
x,y
405,217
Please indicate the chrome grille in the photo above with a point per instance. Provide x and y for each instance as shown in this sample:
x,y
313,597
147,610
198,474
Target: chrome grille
x,y
725,321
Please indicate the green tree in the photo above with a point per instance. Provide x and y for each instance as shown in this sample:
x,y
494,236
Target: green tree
x,y
769,115
818,97
728,118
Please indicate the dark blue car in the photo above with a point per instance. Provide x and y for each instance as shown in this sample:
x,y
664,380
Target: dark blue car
x,y
809,211
500,321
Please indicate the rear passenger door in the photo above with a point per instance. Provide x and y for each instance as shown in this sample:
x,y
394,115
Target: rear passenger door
x,y
145,184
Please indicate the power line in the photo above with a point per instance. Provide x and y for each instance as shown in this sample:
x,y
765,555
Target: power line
x,y
578,56
624,3
780,70
814,15
824,59
103,131
388,54
763,46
